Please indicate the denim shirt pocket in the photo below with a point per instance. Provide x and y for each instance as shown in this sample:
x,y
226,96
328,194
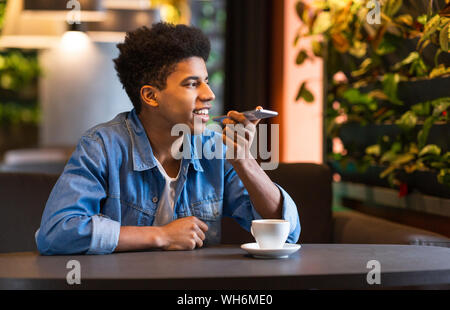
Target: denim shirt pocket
x,y
137,215
210,212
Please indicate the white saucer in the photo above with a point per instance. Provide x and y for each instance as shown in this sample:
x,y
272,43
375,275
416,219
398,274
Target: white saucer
x,y
253,249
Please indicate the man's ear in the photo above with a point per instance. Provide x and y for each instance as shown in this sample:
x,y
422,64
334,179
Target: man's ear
x,y
148,95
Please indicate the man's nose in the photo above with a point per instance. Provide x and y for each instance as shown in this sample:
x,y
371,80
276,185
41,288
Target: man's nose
x,y
206,93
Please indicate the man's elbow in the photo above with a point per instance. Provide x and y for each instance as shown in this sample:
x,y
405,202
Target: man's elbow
x,y
50,244
43,243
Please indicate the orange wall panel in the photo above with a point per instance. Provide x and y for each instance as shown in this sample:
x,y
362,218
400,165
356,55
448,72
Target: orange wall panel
x,y
301,131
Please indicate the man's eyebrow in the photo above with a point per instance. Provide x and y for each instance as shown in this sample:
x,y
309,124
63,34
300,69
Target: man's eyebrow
x,y
193,77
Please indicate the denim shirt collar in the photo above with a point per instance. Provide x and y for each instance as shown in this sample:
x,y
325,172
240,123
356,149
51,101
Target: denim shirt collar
x,y
143,158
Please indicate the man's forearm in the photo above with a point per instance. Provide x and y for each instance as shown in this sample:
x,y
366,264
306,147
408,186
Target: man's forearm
x,y
185,233
265,196
134,238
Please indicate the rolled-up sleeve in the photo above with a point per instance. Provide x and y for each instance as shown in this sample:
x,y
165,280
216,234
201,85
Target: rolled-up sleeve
x,y
237,204
72,222
105,235
289,213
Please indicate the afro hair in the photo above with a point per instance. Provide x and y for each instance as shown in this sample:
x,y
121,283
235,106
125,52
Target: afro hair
x,y
149,56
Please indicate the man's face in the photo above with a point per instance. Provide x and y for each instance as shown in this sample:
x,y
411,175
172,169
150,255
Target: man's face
x,y
187,95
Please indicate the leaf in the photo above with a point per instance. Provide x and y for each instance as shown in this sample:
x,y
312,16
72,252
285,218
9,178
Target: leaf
x,y
411,168
388,45
430,28
305,94
301,57
299,8
340,42
446,157
378,94
407,121
422,19
393,6
430,149
418,68
359,49
444,176
440,105
389,156
405,19
322,23
403,159
390,87
373,150
422,136
408,60
363,68
422,109
444,37
389,170
438,71
317,48
413,148
396,147
354,96
296,39
437,165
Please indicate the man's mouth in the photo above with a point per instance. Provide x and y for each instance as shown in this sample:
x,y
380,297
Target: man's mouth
x,y
203,113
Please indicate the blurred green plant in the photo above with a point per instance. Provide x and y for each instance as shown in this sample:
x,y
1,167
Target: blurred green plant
x,y
366,63
19,71
2,12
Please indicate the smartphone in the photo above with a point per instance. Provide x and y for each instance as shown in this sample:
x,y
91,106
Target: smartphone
x,y
251,115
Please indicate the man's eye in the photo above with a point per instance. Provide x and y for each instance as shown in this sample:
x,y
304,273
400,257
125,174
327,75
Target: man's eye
x,y
193,84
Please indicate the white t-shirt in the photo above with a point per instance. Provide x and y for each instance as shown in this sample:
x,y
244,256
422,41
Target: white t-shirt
x,y
164,213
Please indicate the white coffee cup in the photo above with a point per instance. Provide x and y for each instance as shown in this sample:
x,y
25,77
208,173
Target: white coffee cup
x,y
270,234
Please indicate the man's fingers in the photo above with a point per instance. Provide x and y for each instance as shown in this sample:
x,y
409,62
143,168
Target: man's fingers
x,y
238,117
229,132
241,136
200,233
198,241
202,225
228,121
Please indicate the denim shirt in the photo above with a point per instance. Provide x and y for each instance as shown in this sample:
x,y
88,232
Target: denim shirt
x,y
112,180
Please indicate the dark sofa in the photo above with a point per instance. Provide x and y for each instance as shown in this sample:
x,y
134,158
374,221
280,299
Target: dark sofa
x,y
23,197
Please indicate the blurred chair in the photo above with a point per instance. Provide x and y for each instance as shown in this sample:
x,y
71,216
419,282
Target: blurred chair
x,y
45,160
23,197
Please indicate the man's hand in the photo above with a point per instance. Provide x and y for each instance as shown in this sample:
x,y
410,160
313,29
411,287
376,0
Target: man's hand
x,y
185,233
239,140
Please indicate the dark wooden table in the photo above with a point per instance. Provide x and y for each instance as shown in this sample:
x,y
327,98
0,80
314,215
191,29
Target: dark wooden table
x,y
322,266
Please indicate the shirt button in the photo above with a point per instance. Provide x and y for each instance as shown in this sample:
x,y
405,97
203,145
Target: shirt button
x,y
155,199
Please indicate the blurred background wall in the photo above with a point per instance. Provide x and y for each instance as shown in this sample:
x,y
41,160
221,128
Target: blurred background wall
x,y
78,90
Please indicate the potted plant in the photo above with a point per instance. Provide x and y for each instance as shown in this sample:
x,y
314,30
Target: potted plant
x,y
387,89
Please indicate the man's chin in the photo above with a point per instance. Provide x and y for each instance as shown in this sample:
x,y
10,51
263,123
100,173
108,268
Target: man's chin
x,y
198,129
198,126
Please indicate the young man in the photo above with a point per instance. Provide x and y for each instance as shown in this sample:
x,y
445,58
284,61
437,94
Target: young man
x,y
123,190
